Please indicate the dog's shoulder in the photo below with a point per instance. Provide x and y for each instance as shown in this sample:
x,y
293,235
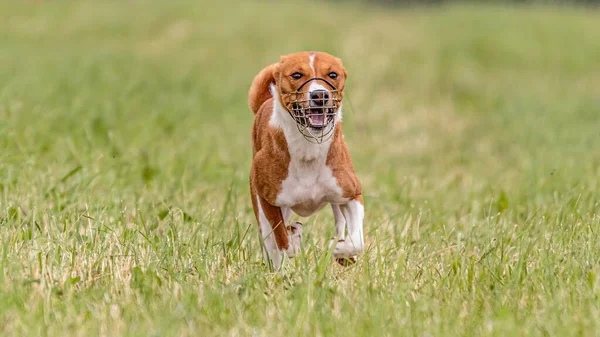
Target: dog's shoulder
x,y
261,123
270,154
340,162
266,136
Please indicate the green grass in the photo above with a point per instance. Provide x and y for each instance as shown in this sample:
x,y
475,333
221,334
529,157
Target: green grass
x,y
124,159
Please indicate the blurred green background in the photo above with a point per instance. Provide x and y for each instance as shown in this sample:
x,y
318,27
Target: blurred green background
x,y
125,150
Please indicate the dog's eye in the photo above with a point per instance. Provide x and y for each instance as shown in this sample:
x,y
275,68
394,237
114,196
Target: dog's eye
x,y
296,76
333,75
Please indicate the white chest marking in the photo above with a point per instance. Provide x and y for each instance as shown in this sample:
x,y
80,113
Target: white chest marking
x,y
310,182
308,186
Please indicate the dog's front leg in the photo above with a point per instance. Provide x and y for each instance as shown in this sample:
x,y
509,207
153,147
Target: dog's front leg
x,y
277,240
353,244
340,225
294,232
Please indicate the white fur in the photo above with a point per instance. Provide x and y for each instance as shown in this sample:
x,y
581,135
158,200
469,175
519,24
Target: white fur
x,y
340,225
316,86
340,222
286,212
295,239
353,244
311,61
308,186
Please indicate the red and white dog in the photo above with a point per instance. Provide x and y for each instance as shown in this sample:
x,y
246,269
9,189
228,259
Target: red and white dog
x,y
300,160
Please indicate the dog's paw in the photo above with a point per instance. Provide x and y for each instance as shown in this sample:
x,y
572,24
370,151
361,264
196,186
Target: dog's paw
x,y
295,238
346,261
343,252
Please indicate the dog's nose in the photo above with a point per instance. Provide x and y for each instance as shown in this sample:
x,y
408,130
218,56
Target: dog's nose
x,y
319,97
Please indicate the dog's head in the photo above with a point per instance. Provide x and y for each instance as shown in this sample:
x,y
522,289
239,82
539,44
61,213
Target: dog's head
x,y
311,88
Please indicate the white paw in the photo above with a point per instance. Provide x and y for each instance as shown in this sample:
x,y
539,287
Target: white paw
x,y
295,238
344,252
344,248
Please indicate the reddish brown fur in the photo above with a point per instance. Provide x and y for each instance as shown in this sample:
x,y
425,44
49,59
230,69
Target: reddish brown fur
x,y
259,90
270,152
338,159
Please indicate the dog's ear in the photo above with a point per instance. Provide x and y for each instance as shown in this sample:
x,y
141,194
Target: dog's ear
x,y
342,65
260,89
276,73
277,69
339,60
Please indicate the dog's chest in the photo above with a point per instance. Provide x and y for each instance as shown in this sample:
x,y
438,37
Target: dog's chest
x,y
309,183
308,186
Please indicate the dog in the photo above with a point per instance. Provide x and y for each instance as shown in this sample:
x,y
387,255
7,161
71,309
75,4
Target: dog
x,y
300,161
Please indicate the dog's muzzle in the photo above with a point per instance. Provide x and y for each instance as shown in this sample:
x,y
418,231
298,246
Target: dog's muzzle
x,y
314,111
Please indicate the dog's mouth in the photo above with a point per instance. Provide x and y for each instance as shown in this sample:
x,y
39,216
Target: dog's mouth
x,y
314,117
318,118
317,121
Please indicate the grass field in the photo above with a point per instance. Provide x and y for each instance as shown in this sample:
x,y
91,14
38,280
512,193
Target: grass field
x,y
124,158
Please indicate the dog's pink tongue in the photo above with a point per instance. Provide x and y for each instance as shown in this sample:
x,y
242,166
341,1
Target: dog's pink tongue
x,y
317,120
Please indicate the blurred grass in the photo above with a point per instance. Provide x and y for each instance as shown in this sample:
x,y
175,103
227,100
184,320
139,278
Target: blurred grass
x,y
124,156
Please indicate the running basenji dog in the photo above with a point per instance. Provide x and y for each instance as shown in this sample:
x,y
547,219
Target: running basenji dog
x,y
300,159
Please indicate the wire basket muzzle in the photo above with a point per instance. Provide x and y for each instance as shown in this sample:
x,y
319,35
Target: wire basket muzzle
x,y
314,111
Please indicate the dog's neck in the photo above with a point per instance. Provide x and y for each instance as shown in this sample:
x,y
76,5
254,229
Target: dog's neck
x,y
298,147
